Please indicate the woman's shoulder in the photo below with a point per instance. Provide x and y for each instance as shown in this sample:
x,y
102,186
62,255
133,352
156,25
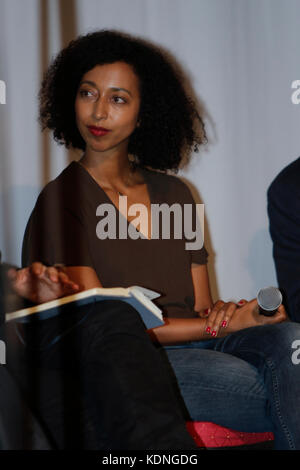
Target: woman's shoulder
x,y
170,184
61,188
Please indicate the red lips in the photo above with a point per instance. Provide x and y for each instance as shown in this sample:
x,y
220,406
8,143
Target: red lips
x,y
98,131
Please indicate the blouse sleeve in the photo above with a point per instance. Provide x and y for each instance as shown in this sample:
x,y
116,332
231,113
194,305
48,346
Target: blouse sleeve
x,y
55,234
197,251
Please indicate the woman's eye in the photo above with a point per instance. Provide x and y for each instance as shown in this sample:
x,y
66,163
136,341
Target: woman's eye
x,y
118,100
85,93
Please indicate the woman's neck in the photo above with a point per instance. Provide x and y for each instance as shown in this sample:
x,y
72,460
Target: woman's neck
x,y
111,171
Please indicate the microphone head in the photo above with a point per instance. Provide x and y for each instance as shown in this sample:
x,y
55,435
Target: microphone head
x,y
269,299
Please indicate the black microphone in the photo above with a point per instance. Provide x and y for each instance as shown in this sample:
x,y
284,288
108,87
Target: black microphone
x,y
269,299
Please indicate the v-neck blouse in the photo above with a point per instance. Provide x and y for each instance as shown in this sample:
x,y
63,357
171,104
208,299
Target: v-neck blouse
x,y
62,229
109,201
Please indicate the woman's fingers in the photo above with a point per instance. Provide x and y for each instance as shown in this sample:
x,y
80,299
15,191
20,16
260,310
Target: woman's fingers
x,y
37,269
282,312
221,315
40,283
52,274
67,282
229,310
55,278
20,281
21,276
215,313
278,317
46,272
204,313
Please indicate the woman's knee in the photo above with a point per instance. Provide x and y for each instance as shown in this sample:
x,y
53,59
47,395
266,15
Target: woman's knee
x,y
275,341
114,316
284,334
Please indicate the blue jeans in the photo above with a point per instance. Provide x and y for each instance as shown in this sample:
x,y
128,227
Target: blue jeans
x,y
245,381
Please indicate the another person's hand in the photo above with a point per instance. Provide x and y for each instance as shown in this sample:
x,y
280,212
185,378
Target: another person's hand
x,y
39,283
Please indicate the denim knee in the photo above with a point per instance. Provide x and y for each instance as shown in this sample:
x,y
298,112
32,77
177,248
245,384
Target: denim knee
x,y
282,336
285,339
273,342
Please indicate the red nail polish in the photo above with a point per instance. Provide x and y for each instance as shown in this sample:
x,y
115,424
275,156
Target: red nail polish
x,y
214,333
208,329
206,311
224,324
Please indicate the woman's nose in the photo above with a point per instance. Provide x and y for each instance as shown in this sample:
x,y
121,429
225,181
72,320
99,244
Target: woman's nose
x,y
100,109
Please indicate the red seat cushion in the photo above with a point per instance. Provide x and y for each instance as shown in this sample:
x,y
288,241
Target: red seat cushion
x,y
212,435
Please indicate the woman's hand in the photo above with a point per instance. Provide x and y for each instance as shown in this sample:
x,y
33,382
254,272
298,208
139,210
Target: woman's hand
x,y
248,315
219,316
234,317
39,283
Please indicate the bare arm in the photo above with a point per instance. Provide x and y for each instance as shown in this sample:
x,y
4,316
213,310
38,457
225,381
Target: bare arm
x,y
179,330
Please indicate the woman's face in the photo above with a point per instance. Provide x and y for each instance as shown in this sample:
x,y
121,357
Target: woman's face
x,y
107,106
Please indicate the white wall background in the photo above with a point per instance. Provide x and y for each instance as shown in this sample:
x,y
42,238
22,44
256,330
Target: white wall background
x,y
241,57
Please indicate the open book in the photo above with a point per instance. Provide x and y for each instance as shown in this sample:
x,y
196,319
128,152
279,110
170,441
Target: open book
x,y
139,297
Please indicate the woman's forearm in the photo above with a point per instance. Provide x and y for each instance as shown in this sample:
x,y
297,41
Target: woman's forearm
x,y
179,330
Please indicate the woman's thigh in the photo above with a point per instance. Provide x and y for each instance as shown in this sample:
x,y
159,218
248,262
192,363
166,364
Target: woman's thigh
x,y
273,342
219,388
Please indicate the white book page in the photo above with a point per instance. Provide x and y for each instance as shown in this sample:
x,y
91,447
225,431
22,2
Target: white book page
x,y
151,294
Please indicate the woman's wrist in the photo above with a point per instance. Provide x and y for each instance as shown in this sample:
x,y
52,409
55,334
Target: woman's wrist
x,y
180,330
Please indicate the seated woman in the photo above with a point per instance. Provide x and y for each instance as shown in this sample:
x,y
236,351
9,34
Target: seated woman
x,y
123,104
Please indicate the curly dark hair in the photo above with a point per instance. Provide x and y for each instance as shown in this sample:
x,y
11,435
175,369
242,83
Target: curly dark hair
x,y
169,121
